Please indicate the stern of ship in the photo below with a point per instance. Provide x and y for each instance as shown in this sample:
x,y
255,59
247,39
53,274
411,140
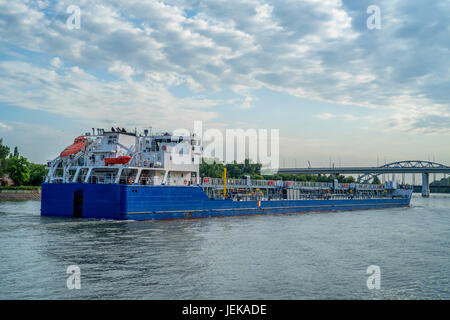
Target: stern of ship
x,y
80,200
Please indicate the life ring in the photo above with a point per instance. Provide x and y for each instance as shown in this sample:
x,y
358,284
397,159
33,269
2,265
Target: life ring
x,y
130,180
185,182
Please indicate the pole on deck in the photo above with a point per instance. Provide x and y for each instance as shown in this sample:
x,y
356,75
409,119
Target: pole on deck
x,y
224,182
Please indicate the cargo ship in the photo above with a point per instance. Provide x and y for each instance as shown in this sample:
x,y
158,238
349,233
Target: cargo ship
x,y
123,175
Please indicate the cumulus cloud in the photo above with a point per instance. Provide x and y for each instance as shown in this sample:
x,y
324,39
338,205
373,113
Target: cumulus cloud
x,y
325,116
318,50
56,62
122,70
5,127
350,117
247,103
80,95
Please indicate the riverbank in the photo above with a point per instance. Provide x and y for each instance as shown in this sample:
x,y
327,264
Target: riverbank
x,y
433,189
17,194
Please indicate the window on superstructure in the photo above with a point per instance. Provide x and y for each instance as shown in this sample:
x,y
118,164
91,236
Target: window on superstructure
x,y
154,145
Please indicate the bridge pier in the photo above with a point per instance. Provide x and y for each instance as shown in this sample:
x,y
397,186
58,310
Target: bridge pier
x,y
425,185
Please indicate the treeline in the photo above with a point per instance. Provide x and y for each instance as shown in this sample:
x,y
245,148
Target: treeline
x,y
442,182
18,168
212,169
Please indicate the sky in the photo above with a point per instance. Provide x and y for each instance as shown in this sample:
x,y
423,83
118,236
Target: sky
x,y
337,89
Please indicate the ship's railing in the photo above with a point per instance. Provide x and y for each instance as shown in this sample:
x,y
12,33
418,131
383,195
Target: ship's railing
x,y
133,162
124,179
149,181
360,186
302,194
250,183
101,179
147,163
264,183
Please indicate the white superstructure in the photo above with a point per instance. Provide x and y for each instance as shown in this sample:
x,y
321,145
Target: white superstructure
x,y
121,157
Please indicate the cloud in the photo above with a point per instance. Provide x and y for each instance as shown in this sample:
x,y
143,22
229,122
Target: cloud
x,y
56,62
5,127
319,50
74,93
350,117
433,124
122,70
247,103
325,116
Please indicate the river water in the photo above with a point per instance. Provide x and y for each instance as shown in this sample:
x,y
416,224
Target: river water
x,y
298,256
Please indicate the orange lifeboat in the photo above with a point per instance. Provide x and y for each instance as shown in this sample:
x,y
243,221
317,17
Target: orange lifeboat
x,y
74,148
118,160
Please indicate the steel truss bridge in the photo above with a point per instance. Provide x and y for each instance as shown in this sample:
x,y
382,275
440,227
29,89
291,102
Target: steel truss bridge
x,y
369,173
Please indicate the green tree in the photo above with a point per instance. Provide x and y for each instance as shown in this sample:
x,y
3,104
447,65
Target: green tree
x,y
376,180
349,179
211,169
16,152
18,170
37,172
4,152
235,170
344,179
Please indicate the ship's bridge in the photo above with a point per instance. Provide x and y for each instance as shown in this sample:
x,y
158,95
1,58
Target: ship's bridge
x,y
118,156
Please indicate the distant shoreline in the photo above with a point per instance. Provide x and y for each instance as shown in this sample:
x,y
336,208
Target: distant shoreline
x,y
18,193
433,189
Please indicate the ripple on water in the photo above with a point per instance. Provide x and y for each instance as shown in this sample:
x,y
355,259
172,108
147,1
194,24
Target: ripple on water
x,y
303,256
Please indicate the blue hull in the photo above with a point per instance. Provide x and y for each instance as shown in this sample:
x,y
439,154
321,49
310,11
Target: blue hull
x,y
125,202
